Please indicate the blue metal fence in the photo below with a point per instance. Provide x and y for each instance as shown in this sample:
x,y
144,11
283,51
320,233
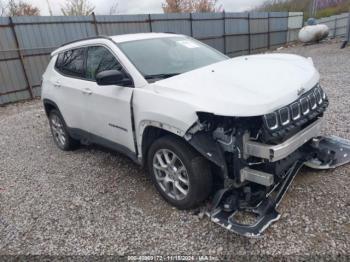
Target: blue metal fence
x,y
26,42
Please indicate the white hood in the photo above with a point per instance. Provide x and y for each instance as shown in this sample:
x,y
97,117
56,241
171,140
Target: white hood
x,y
243,86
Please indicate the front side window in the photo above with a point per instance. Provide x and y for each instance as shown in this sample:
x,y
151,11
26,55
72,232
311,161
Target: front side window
x,y
71,62
159,58
100,59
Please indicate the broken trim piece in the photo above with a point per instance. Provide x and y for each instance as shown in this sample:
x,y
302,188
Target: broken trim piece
x,y
338,147
147,123
266,210
209,148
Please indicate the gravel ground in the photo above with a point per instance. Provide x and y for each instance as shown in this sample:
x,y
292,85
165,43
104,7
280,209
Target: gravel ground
x,y
91,201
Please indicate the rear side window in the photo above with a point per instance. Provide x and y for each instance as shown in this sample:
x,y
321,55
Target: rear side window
x,y
100,59
71,62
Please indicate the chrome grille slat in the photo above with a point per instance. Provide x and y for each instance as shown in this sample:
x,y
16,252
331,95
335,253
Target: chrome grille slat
x,y
312,100
304,102
293,106
273,126
318,96
285,119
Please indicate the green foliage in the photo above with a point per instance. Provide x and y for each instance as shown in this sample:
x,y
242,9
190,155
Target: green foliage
x,y
188,6
302,6
334,10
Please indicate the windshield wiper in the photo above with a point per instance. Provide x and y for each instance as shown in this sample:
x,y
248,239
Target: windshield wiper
x,y
160,76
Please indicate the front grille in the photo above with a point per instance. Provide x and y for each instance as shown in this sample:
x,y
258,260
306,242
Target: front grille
x,y
272,120
295,110
304,102
312,100
284,116
292,117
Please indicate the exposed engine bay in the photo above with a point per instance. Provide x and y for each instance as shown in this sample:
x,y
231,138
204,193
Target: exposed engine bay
x,y
257,158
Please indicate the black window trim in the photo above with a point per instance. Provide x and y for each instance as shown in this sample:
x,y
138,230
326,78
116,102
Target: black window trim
x,y
85,61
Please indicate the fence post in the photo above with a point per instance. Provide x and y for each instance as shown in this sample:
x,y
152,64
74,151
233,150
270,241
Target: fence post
x,y
225,48
191,22
29,86
335,27
95,23
268,31
347,35
303,20
249,47
150,23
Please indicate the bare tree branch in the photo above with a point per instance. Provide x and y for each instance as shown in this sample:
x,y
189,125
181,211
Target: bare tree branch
x,y
113,10
21,8
77,7
204,5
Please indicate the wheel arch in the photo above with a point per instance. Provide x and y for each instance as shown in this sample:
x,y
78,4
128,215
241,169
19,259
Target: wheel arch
x,y
150,132
153,131
49,105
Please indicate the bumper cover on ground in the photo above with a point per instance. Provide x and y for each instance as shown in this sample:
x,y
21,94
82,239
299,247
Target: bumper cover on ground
x,y
265,212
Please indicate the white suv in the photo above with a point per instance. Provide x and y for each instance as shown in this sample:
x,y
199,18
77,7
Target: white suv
x,y
205,126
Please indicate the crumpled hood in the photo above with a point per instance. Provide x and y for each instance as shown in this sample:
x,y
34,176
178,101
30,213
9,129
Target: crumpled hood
x,y
243,86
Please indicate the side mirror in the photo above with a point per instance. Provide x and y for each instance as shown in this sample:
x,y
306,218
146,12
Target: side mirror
x,y
110,77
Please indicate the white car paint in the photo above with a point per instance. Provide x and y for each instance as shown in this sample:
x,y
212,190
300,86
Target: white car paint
x,y
244,86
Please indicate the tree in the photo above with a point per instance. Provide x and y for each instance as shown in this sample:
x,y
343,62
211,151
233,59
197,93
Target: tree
x,y
114,8
77,7
204,6
2,8
20,8
176,6
187,6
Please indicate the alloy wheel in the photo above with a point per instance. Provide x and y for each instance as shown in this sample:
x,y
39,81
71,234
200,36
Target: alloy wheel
x,y
58,131
171,174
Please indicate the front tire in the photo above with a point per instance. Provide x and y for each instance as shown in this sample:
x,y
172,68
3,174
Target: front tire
x,y
60,133
180,174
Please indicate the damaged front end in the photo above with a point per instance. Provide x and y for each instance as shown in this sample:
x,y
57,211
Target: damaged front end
x,y
257,159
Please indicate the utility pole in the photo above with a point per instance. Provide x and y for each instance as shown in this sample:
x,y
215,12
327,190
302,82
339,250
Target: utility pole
x,y
313,8
49,6
347,35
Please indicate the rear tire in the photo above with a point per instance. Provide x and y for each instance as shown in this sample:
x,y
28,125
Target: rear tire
x,y
180,174
60,133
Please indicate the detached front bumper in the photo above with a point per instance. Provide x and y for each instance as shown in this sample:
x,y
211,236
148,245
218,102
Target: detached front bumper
x,y
322,152
265,212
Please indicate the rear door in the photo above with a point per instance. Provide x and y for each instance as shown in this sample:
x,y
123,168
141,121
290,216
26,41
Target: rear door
x,y
68,86
107,108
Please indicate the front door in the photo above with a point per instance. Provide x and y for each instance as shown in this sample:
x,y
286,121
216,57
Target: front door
x,y
108,112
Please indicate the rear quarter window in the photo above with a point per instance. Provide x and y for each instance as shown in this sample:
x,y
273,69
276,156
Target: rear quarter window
x,y
71,62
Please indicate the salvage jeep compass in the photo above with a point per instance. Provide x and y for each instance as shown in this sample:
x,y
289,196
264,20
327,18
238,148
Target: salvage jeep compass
x,y
207,127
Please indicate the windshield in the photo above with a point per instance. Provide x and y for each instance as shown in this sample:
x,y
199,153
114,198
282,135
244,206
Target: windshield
x,y
159,58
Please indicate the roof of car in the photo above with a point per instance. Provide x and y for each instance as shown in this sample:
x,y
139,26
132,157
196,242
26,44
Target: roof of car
x,y
139,36
115,38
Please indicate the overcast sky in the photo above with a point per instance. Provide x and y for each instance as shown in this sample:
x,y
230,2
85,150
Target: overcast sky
x,y
138,6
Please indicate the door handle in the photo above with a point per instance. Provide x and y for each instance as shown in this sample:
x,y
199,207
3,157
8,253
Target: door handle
x,y
57,84
87,91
